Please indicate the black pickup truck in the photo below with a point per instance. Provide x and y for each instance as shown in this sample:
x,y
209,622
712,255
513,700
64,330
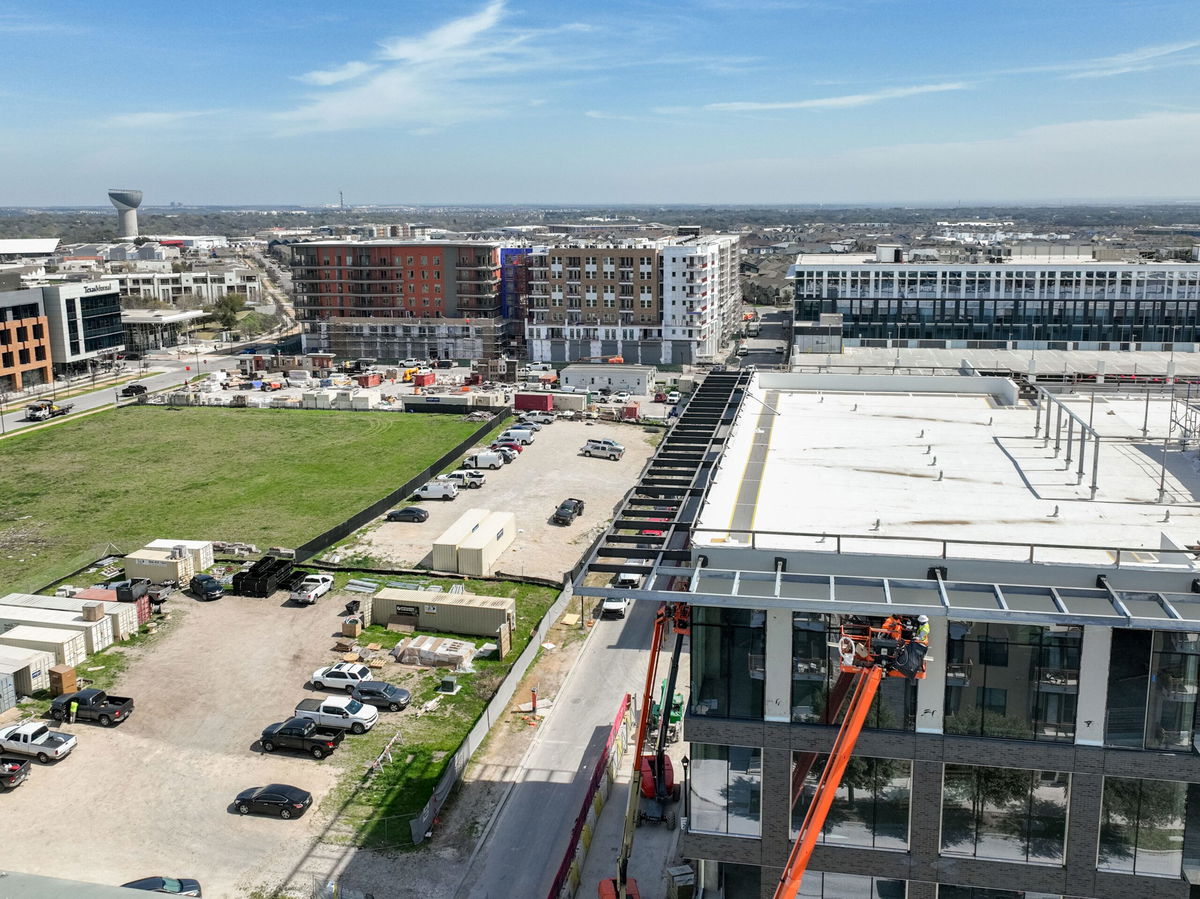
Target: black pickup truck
x,y
13,772
302,735
568,511
94,705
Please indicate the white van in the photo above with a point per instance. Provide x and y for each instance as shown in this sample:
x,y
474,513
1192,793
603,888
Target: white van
x,y
437,490
516,435
486,459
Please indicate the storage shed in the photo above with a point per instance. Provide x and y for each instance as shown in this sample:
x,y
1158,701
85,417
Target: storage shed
x,y
98,634
123,615
29,668
68,647
201,551
449,613
637,379
479,552
445,547
159,566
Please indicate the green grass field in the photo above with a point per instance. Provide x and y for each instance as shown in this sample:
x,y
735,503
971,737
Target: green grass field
x,y
269,477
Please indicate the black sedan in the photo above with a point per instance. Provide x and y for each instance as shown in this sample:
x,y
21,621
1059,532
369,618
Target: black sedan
x,y
176,886
382,694
133,390
411,513
274,799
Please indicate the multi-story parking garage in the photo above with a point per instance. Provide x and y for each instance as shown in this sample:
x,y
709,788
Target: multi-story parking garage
x,y
1052,541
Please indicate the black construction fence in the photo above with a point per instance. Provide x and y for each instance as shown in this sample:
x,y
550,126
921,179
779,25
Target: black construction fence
x,y
350,525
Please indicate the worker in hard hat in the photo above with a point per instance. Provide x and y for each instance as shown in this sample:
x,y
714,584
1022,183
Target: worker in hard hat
x,y
921,633
892,627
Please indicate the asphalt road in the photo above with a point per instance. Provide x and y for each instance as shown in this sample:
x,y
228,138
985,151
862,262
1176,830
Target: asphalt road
x,y
173,373
774,331
529,835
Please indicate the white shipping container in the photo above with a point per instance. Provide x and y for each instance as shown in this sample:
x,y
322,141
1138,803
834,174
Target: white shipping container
x,y
68,647
478,553
123,615
445,547
30,668
98,635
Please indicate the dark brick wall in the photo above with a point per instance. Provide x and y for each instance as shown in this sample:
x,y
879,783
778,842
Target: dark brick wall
x,y
922,865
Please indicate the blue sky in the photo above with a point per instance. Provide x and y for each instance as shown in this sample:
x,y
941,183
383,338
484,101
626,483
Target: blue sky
x,y
609,101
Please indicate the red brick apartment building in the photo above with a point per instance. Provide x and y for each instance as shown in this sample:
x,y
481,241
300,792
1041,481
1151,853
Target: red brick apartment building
x,y
375,297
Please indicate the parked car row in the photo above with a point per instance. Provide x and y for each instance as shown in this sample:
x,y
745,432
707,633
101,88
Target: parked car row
x,y
317,727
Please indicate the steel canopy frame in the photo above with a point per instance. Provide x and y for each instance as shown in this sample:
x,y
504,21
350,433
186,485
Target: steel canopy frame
x,y
880,596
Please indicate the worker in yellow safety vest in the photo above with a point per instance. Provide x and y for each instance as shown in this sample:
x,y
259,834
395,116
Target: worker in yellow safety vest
x,y
921,634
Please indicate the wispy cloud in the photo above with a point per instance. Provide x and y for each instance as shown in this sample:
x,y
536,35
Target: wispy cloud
x,y
1143,59
464,70
347,72
447,41
845,101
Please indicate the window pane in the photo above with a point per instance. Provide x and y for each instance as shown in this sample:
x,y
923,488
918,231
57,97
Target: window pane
x,y
1128,682
958,810
1004,813
1171,710
1012,681
1141,826
1002,798
870,808
726,789
826,885
728,662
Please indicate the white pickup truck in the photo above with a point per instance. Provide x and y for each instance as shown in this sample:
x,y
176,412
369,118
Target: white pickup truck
x,y
339,712
465,477
34,738
312,588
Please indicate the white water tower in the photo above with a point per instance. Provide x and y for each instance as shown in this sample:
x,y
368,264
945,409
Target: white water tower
x,y
127,202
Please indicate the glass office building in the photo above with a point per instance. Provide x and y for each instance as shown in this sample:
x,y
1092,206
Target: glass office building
x,y
1092,305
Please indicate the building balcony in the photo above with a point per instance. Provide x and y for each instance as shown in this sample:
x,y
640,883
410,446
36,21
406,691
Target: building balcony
x,y
958,674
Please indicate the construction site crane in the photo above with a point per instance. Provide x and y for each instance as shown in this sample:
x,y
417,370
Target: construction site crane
x,y
866,655
652,778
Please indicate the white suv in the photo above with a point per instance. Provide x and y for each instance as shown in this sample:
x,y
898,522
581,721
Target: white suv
x,y
342,676
603,447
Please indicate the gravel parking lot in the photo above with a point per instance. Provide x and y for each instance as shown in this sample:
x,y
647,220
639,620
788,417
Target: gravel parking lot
x,y
152,795
547,472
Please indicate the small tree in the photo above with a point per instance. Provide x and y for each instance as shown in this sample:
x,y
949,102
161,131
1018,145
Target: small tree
x,y
226,309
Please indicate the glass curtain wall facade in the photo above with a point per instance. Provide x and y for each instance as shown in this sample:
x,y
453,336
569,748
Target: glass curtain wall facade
x,y
1153,679
1008,814
728,662
1015,681
815,673
871,807
998,303
726,790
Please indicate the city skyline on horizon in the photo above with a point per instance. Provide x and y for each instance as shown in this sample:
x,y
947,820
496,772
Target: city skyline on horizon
x,y
501,102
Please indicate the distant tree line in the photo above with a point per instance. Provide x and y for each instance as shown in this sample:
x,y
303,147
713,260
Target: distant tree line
x,y
98,226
